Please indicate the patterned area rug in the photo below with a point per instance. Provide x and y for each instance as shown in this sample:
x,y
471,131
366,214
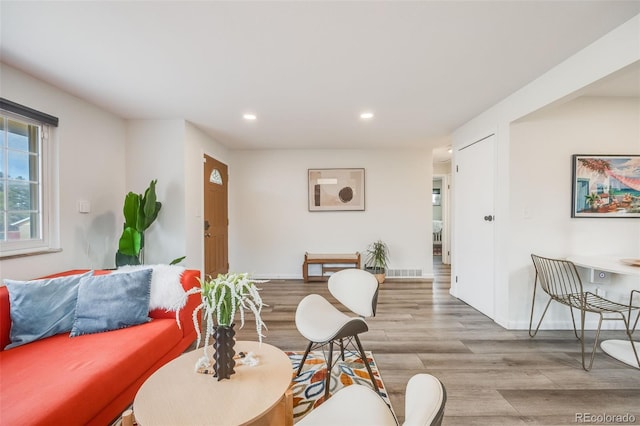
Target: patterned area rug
x,y
308,388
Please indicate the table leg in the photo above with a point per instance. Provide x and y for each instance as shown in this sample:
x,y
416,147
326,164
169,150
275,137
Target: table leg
x,y
288,408
280,415
127,418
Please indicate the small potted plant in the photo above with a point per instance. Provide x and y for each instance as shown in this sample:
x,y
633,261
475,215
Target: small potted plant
x,y
377,259
222,298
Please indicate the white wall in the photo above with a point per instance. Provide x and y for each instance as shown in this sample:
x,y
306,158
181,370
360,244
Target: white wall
x,y
155,150
540,195
196,145
442,168
91,158
614,51
172,151
271,227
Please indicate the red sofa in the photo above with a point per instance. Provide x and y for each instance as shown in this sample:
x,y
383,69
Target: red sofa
x,y
89,379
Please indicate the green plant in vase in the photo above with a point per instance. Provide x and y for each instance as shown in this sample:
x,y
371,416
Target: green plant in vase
x,y
377,259
592,200
140,211
223,298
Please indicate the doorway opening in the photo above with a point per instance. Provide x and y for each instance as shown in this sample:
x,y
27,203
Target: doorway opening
x,y
436,201
440,196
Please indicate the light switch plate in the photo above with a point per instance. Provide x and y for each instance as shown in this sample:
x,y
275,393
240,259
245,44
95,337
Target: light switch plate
x,y
84,206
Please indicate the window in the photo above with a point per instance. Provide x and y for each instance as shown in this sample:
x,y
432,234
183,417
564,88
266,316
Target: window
x,y
435,197
215,177
25,206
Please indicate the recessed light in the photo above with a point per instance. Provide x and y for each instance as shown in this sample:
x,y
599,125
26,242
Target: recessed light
x,y
366,115
249,116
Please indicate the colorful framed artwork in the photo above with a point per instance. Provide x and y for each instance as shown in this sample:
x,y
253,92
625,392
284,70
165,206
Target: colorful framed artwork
x,y
606,186
336,190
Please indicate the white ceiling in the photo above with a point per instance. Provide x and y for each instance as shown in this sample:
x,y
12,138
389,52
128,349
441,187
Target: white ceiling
x,y
307,69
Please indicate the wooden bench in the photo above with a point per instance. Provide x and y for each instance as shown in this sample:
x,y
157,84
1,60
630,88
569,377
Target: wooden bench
x,y
329,263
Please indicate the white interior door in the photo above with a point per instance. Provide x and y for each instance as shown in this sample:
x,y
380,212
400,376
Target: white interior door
x,y
474,222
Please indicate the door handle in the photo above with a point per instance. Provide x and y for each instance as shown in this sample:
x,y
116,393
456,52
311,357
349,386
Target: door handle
x,y
488,218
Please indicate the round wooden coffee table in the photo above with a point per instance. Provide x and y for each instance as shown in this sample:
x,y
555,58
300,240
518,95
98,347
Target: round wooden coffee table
x,y
260,395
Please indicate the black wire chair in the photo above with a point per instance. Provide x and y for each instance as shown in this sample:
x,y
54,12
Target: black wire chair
x,y
560,280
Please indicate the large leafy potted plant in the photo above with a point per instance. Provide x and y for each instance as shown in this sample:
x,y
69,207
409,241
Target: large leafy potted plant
x,y
222,298
140,211
377,259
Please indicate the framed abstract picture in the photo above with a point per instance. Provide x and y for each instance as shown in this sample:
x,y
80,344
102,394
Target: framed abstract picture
x,y
336,190
606,186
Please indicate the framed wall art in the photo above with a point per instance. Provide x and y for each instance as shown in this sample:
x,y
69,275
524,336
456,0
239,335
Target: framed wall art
x,y
336,190
606,186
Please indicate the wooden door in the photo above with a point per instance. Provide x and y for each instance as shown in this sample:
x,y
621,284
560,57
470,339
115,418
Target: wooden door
x,y
216,218
474,224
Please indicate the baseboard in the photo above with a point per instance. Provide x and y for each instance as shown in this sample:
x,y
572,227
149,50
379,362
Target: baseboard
x,y
276,277
281,277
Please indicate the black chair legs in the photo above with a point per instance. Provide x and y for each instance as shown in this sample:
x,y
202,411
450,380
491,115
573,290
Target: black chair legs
x,y
363,355
329,368
330,360
304,358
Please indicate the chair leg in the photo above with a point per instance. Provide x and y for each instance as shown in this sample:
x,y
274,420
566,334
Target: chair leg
x,y
304,358
595,343
573,321
533,304
541,318
631,306
366,363
630,336
342,349
635,323
582,320
329,367
635,351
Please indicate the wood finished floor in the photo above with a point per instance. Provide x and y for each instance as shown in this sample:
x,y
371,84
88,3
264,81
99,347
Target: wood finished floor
x,y
493,376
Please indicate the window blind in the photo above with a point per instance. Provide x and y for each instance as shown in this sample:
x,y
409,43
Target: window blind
x,y
25,111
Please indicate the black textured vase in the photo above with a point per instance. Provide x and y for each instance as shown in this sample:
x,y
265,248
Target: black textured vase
x,y
223,361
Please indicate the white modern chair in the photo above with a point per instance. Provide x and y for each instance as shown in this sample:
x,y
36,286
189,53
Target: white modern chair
x,y
353,405
323,324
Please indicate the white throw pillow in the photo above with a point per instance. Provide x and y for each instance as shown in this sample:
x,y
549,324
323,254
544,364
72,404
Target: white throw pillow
x,y
166,289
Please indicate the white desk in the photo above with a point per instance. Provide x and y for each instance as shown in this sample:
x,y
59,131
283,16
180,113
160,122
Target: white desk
x,y
618,349
614,265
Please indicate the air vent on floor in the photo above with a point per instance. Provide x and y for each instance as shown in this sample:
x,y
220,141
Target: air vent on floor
x,y
404,273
